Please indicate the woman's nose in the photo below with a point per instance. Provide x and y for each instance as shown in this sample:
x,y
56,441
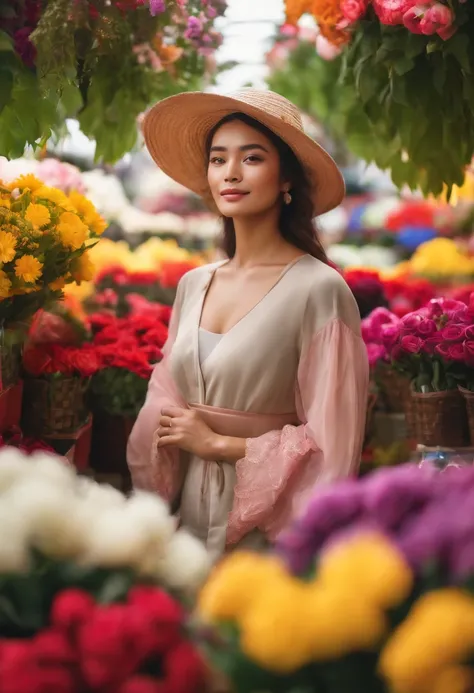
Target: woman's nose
x,y
233,172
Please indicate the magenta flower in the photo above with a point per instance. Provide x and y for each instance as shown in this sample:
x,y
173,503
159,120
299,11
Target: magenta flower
x,y
157,7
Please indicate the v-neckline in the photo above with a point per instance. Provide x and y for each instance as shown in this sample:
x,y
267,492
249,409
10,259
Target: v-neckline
x,y
223,335
254,307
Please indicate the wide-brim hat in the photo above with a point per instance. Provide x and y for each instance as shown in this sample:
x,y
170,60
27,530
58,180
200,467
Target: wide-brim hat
x,y
176,131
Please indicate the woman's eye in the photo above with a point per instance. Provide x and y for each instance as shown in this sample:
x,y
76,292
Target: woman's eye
x,y
252,158
216,160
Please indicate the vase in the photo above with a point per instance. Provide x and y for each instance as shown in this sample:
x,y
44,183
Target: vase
x,y
54,406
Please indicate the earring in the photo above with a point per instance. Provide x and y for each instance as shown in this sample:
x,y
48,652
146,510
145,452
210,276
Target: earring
x,y
287,198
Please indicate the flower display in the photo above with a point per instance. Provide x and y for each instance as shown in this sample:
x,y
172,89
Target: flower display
x,y
371,589
45,236
131,53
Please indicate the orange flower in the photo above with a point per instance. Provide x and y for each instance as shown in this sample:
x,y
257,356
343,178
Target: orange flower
x,y
295,9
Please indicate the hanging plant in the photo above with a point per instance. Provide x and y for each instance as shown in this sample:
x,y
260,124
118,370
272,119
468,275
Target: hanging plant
x,y
102,61
406,68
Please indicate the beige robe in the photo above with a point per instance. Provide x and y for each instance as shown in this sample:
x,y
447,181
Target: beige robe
x,y
291,377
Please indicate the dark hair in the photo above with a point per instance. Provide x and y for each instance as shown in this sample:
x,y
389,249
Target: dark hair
x,y
296,219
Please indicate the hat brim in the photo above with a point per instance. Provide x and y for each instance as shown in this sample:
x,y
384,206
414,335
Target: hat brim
x,y
176,130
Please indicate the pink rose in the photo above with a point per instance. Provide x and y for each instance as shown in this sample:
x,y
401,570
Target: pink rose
x,y
469,333
437,18
325,49
411,344
353,10
453,333
431,343
390,335
413,18
391,12
410,322
442,349
460,316
456,352
427,327
468,346
375,353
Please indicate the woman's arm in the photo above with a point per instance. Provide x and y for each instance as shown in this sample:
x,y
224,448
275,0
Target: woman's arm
x,y
228,448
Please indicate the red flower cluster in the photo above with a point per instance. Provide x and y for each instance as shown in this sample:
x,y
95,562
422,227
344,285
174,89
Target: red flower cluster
x,y
132,647
167,276
406,294
51,358
15,438
171,272
133,342
413,213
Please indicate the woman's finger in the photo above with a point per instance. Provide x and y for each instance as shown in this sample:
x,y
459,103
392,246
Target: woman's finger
x,y
171,411
164,431
168,440
166,421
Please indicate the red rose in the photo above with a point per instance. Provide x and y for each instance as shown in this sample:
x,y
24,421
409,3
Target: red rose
x,y
85,361
411,344
156,336
353,10
431,342
427,327
442,349
100,320
468,346
142,684
53,647
35,361
153,353
108,335
469,332
453,333
184,669
71,608
409,323
456,351
164,613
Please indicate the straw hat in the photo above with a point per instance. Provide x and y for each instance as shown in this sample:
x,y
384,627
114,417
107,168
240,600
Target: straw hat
x,y
176,130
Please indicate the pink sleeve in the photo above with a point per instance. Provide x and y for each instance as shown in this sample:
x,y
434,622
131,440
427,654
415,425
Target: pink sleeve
x,y
281,468
152,469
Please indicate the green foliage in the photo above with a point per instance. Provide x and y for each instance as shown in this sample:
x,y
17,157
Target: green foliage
x,y
400,100
118,392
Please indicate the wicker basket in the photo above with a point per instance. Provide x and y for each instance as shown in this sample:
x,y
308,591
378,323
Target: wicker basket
x,y
394,387
54,406
468,397
439,418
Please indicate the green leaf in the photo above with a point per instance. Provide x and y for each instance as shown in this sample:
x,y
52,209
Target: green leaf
x,y
458,46
6,86
403,65
6,43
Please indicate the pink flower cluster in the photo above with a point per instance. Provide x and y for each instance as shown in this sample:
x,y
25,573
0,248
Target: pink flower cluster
x,y
426,17
377,329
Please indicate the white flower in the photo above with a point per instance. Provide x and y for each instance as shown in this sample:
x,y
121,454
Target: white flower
x,y
50,516
13,466
53,469
14,545
186,563
100,495
129,534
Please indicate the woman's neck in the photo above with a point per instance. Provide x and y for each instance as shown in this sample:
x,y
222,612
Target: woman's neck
x,y
258,241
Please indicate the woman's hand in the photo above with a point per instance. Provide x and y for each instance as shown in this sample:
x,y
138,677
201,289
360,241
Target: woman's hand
x,y
185,429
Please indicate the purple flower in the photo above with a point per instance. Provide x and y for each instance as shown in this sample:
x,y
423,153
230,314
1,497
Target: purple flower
x,y
194,29
157,7
391,494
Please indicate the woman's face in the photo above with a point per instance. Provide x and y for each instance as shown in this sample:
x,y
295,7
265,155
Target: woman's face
x,y
244,171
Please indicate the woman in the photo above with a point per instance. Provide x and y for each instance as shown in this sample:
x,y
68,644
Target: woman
x,y
261,394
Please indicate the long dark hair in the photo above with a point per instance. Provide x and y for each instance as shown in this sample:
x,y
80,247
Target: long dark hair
x,y
296,219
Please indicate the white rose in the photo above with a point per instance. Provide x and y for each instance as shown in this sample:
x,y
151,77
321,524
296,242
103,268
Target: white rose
x,y
102,495
14,545
186,563
13,466
53,469
129,534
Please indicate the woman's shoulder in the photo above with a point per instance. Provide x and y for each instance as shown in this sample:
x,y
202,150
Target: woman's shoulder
x,y
329,296
196,279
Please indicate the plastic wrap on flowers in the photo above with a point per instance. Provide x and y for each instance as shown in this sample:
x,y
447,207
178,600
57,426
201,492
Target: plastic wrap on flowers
x,y
371,590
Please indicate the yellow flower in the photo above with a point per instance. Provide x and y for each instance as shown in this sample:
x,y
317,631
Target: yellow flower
x,y
7,246
295,9
274,632
237,583
57,284
438,633
26,181
72,231
5,285
28,268
5,202
53,195
88,212
369,565
457,679
38,215
84,268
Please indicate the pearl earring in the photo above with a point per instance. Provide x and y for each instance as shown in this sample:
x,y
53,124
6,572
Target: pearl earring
x,y
287,198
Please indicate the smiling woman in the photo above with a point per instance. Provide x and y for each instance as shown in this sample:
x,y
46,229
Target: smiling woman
x,y
262,391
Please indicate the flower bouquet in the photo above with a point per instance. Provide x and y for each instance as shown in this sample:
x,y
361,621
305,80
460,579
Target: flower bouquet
x,y
102,61
370,591
395,54
45,237
92,585
432,347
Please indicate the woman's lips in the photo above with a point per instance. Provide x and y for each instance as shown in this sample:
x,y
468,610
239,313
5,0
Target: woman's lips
x,y
233,196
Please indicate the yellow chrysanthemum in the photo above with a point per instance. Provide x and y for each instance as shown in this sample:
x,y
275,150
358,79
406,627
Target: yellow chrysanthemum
x,y
26,181
72,231
458,679
7,246
57,284
88,212
38,215
370,565
84,268
437,634
53,195
5,202
5,285
227,595
28,268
